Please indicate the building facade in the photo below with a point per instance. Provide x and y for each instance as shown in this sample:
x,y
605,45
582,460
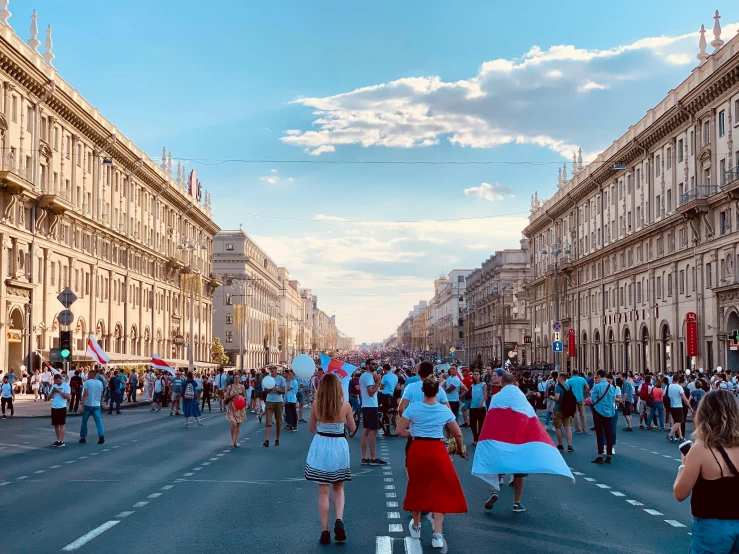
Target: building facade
x,y
292,316
246,309
496,316
645,237
448,305
84,208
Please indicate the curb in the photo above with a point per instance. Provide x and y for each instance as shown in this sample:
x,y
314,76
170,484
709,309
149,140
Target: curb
x,y
125,406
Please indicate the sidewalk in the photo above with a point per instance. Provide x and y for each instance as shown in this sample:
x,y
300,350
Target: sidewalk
x,y
26,407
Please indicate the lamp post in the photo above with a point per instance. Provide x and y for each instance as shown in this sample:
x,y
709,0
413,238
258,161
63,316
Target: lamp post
x,y
556,250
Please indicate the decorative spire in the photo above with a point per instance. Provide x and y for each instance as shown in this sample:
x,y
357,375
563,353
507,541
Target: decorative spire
x,y
179,173
33,41
48,56
702,55
169,163
580,166
574,164
564,173
716,42
4,13
559,176
163,165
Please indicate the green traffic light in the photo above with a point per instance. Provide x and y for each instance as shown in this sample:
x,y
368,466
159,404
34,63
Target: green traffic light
x,y
64,353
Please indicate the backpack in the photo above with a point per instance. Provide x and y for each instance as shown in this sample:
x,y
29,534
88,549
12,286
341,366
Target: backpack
x,y
111,385
666,398
644,391
189,392
567,402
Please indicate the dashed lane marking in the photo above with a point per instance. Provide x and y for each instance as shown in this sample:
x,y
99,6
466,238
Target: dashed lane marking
x,y
188,474
140,504
40,471
388,479
4,483
55,467
167,487
602,486
616,493
589,479
124,514
390,495
674,523
21,477
154,495
391,504
652,512
635,503
84,539
578,473
389,487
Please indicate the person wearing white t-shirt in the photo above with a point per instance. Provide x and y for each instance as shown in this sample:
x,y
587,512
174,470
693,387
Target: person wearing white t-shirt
x,y
92,395
60,393
220,388
369,383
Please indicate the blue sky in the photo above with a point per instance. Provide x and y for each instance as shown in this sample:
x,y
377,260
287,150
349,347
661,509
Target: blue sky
x,y
282,81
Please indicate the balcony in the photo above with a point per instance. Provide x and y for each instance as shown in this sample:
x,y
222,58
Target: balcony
x,y
730,182
695,201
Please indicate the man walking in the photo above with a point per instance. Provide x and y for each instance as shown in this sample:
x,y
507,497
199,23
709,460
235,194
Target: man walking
x,y
581,390
274,404
369,383
116,396
75,385
46,383
133,384
7,395
92,395
603,398
177,384
60,393
221,382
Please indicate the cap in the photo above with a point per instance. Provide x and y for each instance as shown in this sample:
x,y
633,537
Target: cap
x,y
499,372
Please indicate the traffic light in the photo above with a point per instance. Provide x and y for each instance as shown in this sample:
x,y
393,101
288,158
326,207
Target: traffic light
x,y
65,344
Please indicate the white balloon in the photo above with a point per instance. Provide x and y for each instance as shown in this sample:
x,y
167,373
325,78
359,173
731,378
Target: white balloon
x,y
303,366
268,382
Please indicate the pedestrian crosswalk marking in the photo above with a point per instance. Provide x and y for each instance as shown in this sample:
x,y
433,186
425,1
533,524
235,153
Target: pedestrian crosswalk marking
x,y
393,515
635,503
412,546
602,486
389,487
652,512
140,504
391,504
388,479
674,523
384,545
390,495
395,528
616,493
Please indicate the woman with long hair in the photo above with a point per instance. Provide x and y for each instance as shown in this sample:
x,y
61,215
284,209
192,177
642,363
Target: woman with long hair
x,y
709,472
328,458
236,417
190,407
477,405
433,484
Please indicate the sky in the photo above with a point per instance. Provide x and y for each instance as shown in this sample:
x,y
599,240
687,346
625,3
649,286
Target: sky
x,y
445,117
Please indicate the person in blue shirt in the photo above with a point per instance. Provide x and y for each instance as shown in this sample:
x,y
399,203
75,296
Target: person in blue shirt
x,y
581,389
385,398
603,404
590,380
291,402
453,387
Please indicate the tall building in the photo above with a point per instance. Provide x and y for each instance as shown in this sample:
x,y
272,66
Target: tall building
x,y
84,208
291,318
645,236
247,309
445,313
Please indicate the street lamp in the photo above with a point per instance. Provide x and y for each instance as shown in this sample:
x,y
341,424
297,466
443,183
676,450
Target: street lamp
x,y
556,250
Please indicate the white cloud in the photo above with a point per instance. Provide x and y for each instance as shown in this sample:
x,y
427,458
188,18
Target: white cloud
x,y
274,178
526,101
490,192
678,59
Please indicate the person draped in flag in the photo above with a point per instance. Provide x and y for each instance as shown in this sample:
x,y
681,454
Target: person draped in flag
x,y
433,484
513,440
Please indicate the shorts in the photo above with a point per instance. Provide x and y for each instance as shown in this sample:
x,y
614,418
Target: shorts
x,y
626,409
220,393
642,407
273,409
157,397
454,406
300,396
466,403
384,401
370,419
263,395
677,415
58,416
560,420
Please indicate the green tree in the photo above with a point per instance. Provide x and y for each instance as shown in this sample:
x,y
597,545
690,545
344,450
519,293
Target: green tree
x,y
217,353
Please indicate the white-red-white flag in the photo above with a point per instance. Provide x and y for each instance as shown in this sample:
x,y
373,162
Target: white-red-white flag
x,y
96,351
159,363
46,364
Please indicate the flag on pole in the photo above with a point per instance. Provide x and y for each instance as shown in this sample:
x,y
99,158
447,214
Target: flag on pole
x,y
46,364
339,368
159,363
96,351
513,440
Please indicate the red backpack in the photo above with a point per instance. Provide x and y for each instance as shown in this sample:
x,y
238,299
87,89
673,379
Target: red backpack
x,y
644,391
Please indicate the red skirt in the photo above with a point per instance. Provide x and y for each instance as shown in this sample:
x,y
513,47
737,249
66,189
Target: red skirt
x,y
433,485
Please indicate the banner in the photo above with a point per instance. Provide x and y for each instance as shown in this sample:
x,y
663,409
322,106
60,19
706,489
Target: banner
x,y
691,334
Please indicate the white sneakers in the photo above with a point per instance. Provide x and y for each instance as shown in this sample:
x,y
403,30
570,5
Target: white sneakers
x,y
437,540
414,531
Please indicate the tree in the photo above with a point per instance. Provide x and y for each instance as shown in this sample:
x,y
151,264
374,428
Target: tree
x,y
217,353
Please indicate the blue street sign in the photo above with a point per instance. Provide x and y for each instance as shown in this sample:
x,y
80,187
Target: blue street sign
x,y
557,346
451,354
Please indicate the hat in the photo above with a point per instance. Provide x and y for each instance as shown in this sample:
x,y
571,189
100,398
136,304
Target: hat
x,y
499,372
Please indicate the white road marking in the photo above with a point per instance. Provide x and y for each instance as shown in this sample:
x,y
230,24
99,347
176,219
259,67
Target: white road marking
x,y
206,463
167,487
653,452
652,512
4,483
389,487
635,503
395,528
602,486
106,449
94,454
197,468
677,460
84,539
40,471
390,495
674,523
154,495
412,546
124,514
393,515
391,504
116,446
388,479
383,545
140,504
387,472
55,467
666,456
82,457
226,451
188,474
70,461
21,477
644,449
214,459
589,479
577,473
616,493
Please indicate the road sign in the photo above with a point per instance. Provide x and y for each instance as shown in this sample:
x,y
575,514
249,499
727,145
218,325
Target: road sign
x,y
67,297
556,326
65,317
556,347
451,350
451,354
555,336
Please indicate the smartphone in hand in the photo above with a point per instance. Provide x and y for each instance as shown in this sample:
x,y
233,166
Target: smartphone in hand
x,y
685,447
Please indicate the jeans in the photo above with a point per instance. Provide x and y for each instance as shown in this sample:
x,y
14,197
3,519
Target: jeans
x,y
603,432
115,399
549,418
93,411
45,390
477,417
659,408
7,402
291,414
714,536
614,424
354,403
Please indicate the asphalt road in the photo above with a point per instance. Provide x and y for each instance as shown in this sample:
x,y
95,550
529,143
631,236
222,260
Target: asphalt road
x,y
156,486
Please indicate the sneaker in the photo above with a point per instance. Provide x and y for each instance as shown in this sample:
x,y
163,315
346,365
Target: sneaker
x,y
377,462
61,444
560,448
613,451
414,531
681,440
277,442
365,461
510,481
598,460
5,417
437,540
641,426
608,459
101,440
325,538
628,429
339,533
55,443
265,444
570,449
670,438
490,504
519,508
153,410
301,420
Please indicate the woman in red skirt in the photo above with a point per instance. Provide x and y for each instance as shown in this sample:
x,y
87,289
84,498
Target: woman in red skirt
x,y
433,485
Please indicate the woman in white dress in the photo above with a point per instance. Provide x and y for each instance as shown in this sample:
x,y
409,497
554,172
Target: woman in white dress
x,y
328,457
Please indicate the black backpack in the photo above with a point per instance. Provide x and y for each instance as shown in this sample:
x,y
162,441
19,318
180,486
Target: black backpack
x,y
567,402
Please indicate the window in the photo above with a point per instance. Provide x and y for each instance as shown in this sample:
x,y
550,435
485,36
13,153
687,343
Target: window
x,y
707,177
669,201
736,111
680,151
229,299
706,133
669,285
709,275
656,206
638,292
638,216
229,247
668,157
721,123
657,166
628,184
56,138
14,109
722,222
229,319
460,278
29,119
682,281
638,178
79,154
229,336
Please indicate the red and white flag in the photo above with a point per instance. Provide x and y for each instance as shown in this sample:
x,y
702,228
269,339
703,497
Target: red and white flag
x,y
159,363
513,440
46,364
96,351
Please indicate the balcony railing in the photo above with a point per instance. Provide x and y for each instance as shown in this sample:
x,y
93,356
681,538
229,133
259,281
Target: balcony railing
x,y
730,176
697,193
